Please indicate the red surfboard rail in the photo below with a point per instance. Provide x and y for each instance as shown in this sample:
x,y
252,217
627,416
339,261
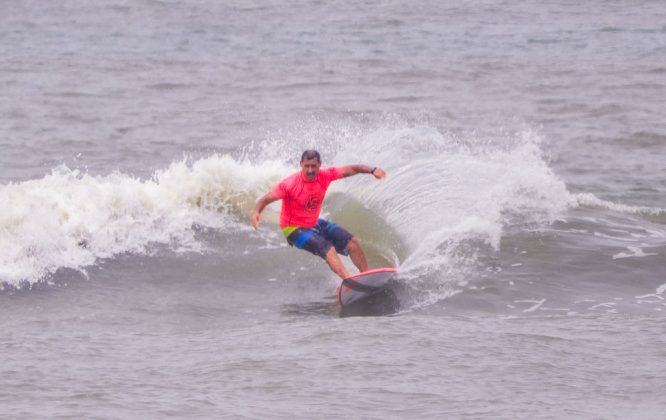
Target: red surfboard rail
x,y
375,270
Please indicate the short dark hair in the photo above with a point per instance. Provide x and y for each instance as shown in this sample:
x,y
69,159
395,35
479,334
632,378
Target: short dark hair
x,y
310,154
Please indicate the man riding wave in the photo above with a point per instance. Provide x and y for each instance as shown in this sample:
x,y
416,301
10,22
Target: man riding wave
x,y
302,195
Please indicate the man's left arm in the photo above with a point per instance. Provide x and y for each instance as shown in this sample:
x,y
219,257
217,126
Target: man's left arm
x,y
350,170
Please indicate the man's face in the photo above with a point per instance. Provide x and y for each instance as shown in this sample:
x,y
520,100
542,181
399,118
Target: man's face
x,y
310,168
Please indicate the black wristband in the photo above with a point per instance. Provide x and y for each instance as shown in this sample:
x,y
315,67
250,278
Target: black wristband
x,y
372,171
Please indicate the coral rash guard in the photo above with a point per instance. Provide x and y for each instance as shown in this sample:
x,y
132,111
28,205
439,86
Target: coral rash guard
x,y
302,199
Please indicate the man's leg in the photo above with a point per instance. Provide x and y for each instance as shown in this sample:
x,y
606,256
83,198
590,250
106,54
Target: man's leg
x,y
345,243
357,255
336,263
312,241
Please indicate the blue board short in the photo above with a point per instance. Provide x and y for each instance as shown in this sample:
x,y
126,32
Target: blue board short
x,y
320,238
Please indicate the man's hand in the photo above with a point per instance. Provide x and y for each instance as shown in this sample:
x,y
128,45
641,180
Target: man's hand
x,y
261,204
256,219
379,173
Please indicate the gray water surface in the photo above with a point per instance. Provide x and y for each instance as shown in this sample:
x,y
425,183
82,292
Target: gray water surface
x,y
524,208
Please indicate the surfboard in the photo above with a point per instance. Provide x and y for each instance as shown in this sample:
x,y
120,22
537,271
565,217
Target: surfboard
x,y
364,285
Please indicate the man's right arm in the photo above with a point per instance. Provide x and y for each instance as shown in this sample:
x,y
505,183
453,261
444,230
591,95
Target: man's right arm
x,y
261,205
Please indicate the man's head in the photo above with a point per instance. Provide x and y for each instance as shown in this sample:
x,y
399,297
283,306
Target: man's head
x,y
310,163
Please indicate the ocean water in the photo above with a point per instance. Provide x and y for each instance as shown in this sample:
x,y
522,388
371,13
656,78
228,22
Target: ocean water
x,y
524,207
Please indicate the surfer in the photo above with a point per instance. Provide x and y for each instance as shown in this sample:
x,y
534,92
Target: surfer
x,y
302,195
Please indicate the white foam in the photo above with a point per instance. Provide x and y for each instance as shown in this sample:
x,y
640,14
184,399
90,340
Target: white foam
x,y
650,295
589,200
585,301
661,289
537,304
635,252
602,305
614,238
545,309
72,219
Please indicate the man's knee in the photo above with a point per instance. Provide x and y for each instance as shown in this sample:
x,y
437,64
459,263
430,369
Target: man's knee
x,y
353,244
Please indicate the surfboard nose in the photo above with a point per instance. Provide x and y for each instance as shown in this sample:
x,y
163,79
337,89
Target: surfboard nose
x,y
363,285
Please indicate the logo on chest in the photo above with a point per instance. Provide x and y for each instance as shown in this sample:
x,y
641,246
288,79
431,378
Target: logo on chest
x,y
313,203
